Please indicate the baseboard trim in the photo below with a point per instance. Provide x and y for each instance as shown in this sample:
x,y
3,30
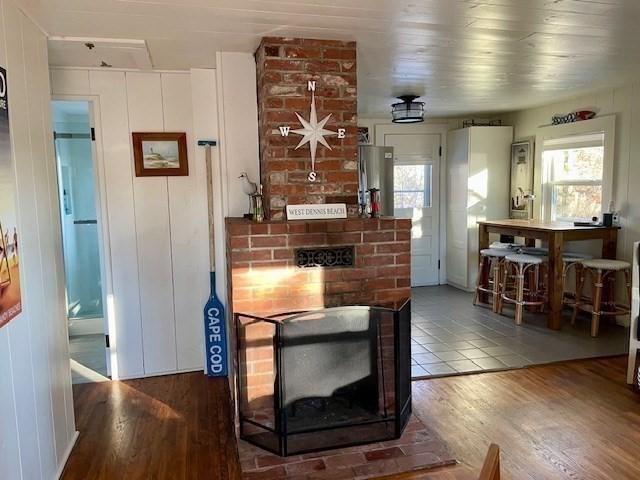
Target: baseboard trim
x,y
67,454
161,374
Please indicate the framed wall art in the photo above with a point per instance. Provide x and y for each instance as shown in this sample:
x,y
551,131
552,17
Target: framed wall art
x,y
10,293
522,159
160,154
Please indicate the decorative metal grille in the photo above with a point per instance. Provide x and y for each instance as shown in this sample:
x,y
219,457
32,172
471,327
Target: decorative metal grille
x,y
325,257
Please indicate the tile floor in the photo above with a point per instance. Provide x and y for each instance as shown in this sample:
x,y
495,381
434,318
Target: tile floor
x,y
88,358
451,336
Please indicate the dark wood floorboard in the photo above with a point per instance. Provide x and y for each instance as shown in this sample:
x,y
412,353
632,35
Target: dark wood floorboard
x,y
574,420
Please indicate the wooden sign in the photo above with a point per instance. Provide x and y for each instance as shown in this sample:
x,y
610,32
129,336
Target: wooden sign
x,y
316,212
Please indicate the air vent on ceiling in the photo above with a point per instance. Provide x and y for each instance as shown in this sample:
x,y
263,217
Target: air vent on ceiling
x,y
96,52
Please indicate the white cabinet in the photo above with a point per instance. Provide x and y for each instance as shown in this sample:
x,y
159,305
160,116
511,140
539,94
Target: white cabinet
x,y
478,175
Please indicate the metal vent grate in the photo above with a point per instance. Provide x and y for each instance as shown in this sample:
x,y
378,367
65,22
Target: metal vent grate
x,y
325,257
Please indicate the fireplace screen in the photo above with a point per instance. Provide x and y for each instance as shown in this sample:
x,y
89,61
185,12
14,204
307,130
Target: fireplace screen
x,y
324,379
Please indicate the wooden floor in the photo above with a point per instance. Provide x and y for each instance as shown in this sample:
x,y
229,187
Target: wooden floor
x,y
575,420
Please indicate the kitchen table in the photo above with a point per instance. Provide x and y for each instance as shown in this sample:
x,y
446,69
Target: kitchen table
x,y
555,234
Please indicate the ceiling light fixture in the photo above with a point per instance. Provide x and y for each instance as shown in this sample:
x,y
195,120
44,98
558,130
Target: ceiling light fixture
x,y
407,111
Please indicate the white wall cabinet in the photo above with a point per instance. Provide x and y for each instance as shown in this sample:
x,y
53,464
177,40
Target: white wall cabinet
x,y
478,177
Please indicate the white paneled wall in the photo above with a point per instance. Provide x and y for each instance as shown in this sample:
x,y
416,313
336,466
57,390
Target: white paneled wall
x,y
158,234
36,424
237,105
624,102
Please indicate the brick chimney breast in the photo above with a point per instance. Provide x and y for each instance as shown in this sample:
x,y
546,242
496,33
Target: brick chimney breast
x,y
285,66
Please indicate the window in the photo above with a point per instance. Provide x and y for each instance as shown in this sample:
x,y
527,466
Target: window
x,y
412,186
573,170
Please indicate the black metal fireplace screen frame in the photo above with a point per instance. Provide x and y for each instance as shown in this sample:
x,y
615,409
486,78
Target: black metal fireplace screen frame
x,y
275,435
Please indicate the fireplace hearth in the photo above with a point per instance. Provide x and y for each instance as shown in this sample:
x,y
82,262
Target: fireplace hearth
x,y
324,379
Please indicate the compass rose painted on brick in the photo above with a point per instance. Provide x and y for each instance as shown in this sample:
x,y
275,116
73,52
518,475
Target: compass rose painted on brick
x,y
313,131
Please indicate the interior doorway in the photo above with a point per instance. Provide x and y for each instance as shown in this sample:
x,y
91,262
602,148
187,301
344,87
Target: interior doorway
x,y
75,160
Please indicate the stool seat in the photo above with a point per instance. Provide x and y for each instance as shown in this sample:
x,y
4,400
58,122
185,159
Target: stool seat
x,y
603,264
535,251
525,259
503,245
574,257
495,252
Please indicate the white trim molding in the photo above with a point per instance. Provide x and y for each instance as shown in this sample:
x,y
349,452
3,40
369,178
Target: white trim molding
x,y
380,129
605,125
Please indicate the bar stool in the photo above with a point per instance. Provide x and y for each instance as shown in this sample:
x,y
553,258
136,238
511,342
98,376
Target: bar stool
x,y
521,265
601,271
572,260
494,257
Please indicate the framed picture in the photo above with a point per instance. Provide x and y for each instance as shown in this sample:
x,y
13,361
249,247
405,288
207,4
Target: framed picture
x,y
160,154
10,253
522,159
364,138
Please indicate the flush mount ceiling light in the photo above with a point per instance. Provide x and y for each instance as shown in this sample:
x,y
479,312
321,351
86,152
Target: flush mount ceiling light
x,y
407,111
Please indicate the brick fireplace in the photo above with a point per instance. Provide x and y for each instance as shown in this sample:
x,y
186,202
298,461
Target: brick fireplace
x,y
279,266
264,277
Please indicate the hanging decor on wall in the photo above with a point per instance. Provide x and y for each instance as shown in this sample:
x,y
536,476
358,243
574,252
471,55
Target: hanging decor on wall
x,y
10,295
313,131
160,154
578,116
364,138
521,179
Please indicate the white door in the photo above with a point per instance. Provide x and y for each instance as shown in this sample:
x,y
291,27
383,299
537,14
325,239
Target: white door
x,y
417,196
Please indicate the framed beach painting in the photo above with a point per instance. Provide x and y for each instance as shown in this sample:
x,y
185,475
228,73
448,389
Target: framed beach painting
x,y
159,154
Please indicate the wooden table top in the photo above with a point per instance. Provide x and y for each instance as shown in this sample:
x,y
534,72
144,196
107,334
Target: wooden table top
x,y
542,226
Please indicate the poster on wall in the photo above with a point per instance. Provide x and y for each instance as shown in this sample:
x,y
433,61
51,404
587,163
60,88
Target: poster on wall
x,y
521,179
10,298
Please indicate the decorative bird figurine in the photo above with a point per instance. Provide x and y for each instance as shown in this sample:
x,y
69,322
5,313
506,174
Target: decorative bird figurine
x,y
248,187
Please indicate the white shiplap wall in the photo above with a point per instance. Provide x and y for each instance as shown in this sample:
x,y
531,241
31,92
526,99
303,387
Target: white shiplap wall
x,y
158,235
37,426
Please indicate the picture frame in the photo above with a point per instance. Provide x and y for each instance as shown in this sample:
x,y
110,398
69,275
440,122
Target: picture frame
x,y
364,137
160,154
522,165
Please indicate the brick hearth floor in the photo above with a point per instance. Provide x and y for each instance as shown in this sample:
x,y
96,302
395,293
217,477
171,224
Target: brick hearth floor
x,y
418,449
450,336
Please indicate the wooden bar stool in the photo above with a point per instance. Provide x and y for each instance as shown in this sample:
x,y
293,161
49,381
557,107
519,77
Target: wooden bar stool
x,y
517,266
491,258
601,271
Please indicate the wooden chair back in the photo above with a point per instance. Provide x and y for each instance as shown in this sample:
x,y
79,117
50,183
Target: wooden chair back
x,y
491,467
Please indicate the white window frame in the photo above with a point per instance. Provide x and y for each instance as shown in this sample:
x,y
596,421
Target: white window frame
x,y
548,187
567,136
428,194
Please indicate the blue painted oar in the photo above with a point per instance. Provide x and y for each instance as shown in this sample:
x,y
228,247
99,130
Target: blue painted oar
x,y
215,331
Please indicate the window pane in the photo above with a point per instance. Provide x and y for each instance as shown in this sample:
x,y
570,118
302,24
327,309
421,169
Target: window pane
x,y
577,201
412,186
575,163
408,200
408,177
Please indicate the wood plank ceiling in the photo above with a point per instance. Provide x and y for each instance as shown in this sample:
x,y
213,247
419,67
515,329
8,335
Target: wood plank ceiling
x,y
463,56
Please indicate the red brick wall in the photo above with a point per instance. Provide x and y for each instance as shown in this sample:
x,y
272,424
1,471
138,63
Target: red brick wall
x,y
284,66
263,279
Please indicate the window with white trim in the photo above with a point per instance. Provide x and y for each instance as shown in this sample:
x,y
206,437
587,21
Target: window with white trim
x,y
573,170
